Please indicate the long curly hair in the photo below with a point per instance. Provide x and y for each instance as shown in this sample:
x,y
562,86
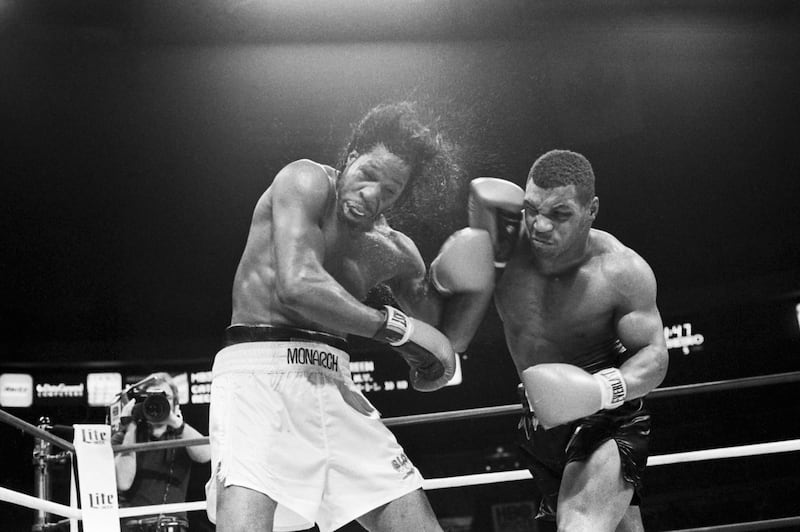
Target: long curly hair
x,y
434,188
399,128
432,204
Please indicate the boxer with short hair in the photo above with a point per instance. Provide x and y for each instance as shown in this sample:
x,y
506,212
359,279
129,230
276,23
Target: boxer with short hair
x,y
581,323
293,441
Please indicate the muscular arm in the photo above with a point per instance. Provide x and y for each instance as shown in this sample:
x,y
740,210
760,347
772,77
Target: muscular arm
x,y
456,315
411,288
639,326
301,195
460,321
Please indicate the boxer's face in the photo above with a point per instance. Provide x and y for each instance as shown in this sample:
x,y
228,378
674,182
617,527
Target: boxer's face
x,y
556,219
370,184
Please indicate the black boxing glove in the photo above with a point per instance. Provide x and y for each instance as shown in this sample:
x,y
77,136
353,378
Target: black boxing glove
x,y
426,350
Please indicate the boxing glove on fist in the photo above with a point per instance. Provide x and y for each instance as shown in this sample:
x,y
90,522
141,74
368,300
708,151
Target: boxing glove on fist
x,y
464,264
560,393
496,206
427,351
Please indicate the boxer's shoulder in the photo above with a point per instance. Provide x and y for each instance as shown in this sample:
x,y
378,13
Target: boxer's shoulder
x,y
398,239
621,266
393,248
306,173
604,243
303,181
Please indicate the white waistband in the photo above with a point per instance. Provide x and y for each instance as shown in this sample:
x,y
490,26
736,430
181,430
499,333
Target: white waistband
x,y
282,357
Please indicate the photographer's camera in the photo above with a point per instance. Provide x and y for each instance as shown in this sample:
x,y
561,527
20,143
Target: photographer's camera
x,y
153,407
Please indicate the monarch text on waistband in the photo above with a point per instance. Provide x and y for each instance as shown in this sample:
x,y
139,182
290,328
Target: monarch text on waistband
x,y
304,355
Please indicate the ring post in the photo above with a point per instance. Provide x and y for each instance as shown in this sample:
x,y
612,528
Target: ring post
x,y
41,476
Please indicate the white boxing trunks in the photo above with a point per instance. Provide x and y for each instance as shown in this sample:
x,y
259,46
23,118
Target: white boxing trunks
x,y
286,420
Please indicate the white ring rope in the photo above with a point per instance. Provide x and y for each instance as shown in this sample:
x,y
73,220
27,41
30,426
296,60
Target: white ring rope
x,y
174,507
757,449
726,452
476,479
658,393
473,413
768,524
35,431
35,503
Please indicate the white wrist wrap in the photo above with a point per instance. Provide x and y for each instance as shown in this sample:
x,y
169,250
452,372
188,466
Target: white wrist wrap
x,y
399,324
612,387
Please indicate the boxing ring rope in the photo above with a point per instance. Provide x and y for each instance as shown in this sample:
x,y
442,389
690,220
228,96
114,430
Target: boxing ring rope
x,y
767,524
159,445
492,411
35,431
671,391
36,503
458,481
757,449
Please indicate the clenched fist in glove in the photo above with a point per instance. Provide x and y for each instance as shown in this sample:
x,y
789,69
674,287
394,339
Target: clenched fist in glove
x,y
424,348
560,393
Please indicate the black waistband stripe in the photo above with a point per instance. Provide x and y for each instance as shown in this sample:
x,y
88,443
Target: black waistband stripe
x,y
239,334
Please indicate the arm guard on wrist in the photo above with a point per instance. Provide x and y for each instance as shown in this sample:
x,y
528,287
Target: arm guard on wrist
x,y
397,327
613,387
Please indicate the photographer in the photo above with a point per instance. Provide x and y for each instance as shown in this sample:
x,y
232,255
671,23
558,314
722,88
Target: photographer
x,y
152,413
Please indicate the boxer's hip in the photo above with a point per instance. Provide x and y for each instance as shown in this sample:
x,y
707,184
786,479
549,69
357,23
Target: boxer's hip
x,y
238,333
286,420
282,350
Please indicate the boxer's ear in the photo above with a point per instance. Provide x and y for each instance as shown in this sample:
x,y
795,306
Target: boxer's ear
x,y
352,156
594,208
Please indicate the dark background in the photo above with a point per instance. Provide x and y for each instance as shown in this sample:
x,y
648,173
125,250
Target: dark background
x,y
137,136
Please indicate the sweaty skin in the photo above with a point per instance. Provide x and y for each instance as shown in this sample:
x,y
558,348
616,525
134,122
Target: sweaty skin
x,y
567,294
311,258
555,318
570,289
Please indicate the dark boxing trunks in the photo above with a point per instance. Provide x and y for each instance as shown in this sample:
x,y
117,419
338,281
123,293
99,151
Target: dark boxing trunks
x,y
549,451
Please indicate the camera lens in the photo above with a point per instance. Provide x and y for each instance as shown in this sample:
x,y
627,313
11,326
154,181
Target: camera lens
x,y
152,407
155,408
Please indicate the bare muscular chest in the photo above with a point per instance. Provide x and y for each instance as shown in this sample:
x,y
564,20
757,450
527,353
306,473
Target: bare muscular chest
x,y
545,318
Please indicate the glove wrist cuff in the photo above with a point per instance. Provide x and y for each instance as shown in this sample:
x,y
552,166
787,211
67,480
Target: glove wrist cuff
x,y
508,226
396,329
613,388
436,284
